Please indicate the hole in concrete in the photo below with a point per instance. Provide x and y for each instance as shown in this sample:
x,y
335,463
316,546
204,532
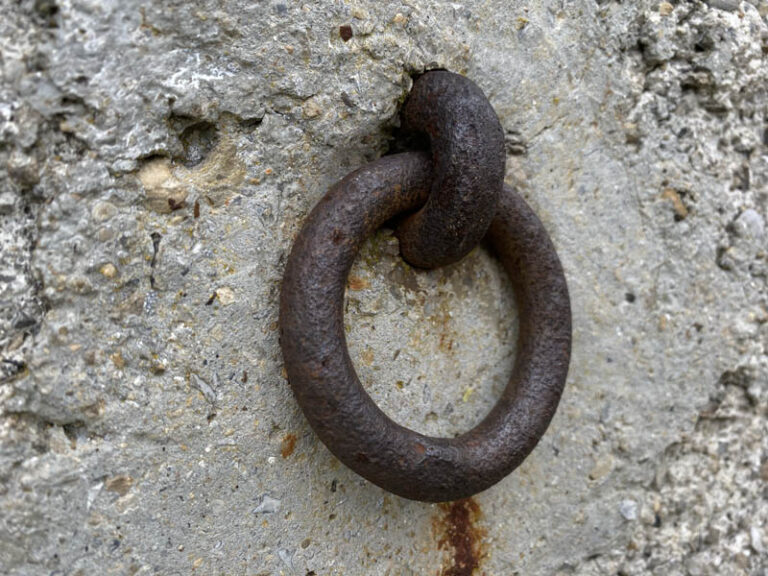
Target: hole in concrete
x,y
47,10
75,430
400,139
198,140
250,123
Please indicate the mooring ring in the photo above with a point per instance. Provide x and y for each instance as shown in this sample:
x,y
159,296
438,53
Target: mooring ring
x,y
322,373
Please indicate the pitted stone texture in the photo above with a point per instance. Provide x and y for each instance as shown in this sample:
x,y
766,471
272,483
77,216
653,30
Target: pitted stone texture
x,y
156,161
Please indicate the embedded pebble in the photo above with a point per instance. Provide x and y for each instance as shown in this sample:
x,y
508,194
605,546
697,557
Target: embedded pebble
x,y
208,391
268,505
628,509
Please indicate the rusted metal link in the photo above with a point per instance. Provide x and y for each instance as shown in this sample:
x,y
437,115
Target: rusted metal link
x,y
467,144
322,374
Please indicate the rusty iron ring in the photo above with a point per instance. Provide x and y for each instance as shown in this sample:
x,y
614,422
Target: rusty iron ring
x,y
467,144
321,371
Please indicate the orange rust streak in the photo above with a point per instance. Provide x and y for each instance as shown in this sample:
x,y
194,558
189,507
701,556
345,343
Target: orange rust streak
x,y
356,283
459,533
288,445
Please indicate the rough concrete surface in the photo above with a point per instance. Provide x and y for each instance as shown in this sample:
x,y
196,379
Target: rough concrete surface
x,y
156,161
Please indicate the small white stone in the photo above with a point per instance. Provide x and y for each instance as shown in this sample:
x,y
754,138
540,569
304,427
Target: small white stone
x,y
268,505
628,509
103,211
750,223
226,295
287,557
208,392
756,539
7,202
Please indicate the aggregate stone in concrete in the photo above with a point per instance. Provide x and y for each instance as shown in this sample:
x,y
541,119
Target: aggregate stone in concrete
x,y
156,162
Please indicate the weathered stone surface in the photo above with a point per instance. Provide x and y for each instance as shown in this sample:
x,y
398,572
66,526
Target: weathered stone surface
x,y
156,160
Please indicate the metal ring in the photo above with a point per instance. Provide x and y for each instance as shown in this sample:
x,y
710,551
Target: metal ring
x,y
321,371
467,144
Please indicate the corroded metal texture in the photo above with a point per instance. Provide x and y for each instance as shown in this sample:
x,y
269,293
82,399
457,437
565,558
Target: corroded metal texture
x,y
321,371
467,144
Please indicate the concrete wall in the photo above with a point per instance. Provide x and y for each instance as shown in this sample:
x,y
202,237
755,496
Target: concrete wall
x,y
158,158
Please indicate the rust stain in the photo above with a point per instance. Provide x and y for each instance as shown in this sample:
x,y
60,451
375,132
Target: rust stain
x,y
345,32
367,356
457,532
288,445
117,360
356,283
446,343
444,321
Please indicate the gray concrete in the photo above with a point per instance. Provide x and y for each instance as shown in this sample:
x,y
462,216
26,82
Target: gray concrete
x,y
146,426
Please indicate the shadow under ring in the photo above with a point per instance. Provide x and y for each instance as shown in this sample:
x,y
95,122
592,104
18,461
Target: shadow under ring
x,y
321,372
